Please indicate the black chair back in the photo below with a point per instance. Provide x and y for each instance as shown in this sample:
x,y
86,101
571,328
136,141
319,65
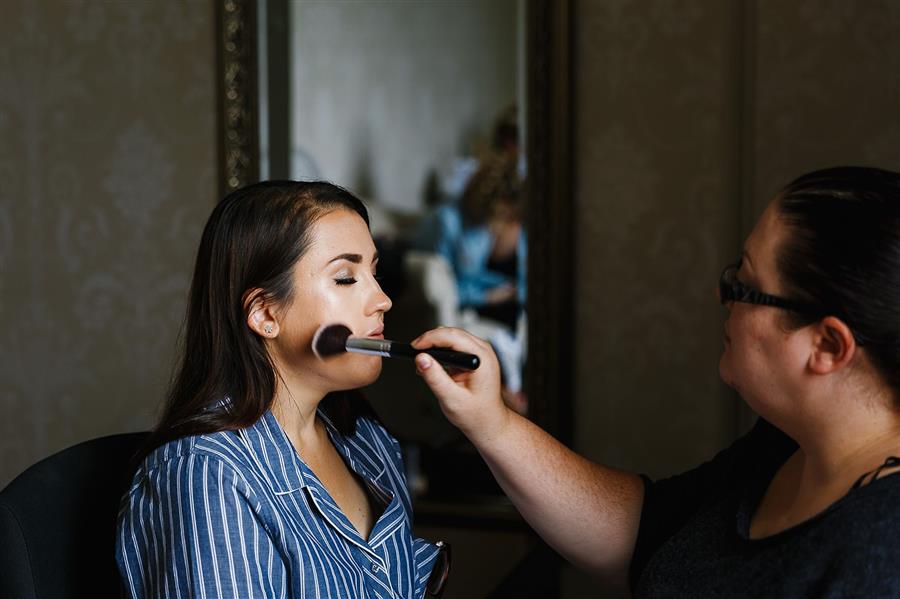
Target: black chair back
x,y
58,522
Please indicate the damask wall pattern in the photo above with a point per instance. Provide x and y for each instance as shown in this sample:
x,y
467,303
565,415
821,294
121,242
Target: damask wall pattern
x,y
656,218
828,88
689,116
107,173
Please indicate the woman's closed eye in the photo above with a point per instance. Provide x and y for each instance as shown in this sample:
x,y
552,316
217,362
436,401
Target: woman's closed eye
x,y
345,276
350,279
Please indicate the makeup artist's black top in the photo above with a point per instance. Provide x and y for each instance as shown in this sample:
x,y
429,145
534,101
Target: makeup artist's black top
x,y
694,533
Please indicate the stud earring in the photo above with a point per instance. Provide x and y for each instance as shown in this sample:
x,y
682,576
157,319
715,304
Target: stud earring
x,y
268,329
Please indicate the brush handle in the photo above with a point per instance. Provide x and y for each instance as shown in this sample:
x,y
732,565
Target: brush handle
x,y
447,357
394,349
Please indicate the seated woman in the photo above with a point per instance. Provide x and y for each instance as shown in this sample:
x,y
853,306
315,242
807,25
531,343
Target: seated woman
x,y
268,475
482,238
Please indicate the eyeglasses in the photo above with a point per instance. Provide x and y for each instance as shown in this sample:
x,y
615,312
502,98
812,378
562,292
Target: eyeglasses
x,y
732,290
440,571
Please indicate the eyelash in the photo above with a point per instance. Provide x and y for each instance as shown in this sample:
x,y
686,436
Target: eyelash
x,y
351,280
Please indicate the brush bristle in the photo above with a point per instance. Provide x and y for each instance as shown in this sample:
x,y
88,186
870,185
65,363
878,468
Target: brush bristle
x,y
330,340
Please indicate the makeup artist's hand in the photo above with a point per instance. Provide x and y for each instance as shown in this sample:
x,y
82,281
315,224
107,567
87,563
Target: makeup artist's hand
x,y
470,400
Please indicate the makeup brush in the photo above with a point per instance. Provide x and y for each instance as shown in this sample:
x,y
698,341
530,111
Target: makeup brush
x,y
335,338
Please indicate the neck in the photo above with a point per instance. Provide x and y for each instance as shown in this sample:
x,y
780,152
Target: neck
x,y
854,438
295,407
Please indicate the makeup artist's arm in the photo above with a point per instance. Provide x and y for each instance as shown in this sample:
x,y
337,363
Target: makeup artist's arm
x,y
589,513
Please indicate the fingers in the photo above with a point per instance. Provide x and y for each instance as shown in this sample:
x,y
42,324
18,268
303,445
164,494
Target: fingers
x,y
452,338
434,375
470,400
460,340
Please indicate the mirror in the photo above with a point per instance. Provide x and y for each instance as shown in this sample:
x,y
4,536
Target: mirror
x,y
423,109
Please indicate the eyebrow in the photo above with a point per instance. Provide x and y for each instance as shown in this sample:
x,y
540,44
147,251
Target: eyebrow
x,y
354,258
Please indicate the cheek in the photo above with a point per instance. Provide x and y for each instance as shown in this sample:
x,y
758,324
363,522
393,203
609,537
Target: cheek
x,y
322,303
760,361
366,369
744,347
333,304
351,371
317,304
310,308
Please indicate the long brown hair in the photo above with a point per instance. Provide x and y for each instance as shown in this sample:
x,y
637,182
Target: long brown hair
x,y
226,379
496,183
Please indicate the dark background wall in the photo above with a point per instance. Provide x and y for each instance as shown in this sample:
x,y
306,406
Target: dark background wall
x,y
107,173
689,116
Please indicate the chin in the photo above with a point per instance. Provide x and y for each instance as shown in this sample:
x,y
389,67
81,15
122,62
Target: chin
x,y
724,372
360,372
371,371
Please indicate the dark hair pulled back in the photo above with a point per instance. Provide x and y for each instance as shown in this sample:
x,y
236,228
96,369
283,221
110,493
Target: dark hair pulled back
x,y
842,256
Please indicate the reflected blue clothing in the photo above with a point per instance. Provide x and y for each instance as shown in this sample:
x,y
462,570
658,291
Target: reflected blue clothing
x,y
239,514
468,249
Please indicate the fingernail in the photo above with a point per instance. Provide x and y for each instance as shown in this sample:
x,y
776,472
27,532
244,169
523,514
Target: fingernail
x,y
424,361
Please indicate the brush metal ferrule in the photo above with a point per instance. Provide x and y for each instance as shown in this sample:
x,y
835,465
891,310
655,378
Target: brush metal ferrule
x,y
372,347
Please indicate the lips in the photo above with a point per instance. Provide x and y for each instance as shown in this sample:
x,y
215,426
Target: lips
x,y
377,332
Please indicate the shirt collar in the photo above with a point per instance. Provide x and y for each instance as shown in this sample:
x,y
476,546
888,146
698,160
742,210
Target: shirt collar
x,y
272,450
276,456
356,450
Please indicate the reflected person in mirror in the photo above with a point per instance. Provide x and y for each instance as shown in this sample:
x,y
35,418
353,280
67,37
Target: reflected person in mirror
x,y
807,504
481,236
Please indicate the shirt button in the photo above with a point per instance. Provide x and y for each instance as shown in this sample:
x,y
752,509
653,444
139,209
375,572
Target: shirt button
x,y
375,569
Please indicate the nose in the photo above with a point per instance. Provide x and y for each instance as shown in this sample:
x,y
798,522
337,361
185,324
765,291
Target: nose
x,y
380,302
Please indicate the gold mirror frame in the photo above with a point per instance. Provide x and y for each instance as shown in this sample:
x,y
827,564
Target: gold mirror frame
x,y
549,373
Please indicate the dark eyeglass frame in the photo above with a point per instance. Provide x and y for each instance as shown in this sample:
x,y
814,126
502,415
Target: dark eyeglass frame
x,y
732,290
439,572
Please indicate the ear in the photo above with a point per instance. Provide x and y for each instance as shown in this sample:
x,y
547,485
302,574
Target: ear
x,y
260,314
833,346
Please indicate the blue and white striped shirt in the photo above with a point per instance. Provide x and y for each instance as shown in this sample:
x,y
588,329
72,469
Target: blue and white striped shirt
x,y
239,514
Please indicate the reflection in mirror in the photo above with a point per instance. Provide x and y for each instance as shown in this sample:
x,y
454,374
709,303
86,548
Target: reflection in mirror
x,y
418,109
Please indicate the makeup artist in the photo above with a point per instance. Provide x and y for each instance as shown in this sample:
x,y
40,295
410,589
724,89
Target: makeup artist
x,y
808,502
268,475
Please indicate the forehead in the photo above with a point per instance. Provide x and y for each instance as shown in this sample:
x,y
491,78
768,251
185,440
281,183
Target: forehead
x,y
768,233
340,232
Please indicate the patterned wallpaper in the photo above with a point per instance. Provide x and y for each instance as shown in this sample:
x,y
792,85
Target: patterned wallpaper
x,y
689,116
107,173
828,88
657,217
